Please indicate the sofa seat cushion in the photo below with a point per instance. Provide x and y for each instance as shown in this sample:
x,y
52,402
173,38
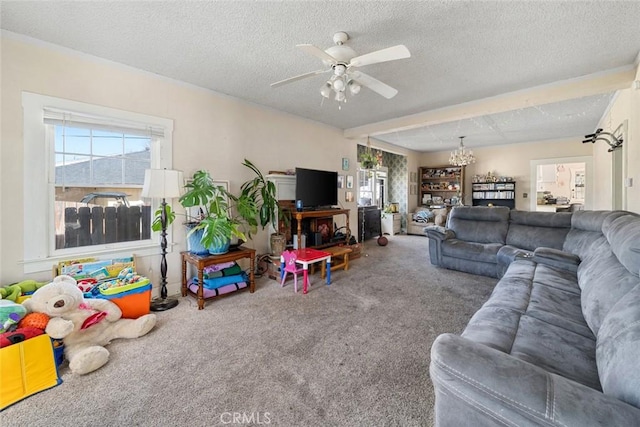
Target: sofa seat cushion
x,y
559,308
535,314
484,252
557,350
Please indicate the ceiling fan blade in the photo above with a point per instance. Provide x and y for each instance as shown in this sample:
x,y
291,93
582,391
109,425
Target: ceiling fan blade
x,y
374,84
389,54
300,77
317,52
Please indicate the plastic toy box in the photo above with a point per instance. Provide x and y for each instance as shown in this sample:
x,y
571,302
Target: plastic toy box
x,y
27,368
134,299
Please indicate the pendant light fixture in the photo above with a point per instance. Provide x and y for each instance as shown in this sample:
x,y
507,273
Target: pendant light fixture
x,y
461,156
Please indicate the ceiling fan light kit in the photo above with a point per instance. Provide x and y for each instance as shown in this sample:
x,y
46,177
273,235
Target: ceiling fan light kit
x,y
341,60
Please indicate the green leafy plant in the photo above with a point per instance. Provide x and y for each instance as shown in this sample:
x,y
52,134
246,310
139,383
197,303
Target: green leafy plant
x,y
368,160
222,215
263,193
156,225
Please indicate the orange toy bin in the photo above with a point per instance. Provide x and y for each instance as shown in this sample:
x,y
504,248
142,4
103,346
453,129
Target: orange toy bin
x,y
134,299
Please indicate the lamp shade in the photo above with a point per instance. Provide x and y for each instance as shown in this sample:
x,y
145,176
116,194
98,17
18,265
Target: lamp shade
x,y
162,183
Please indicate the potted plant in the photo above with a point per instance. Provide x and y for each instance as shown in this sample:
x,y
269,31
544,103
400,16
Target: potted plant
x,y
263,193
222,215
368,160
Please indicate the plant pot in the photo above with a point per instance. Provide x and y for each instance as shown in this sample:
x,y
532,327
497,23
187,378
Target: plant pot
x,y
278,243
220,247
193,242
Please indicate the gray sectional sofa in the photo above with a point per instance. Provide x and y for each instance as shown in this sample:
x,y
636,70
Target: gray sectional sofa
x,y
558,341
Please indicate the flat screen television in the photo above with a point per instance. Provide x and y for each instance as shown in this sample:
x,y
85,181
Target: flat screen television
x,y
316,188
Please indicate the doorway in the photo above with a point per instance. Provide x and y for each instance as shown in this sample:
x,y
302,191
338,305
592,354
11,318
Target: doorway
x,y
561,184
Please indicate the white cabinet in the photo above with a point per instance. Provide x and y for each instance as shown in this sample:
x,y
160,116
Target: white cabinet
x,y
391,223
285,186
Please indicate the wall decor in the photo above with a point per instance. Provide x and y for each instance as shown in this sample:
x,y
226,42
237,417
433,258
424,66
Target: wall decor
x,y
345,164
340,181
413,190
413,176
349,181
348,196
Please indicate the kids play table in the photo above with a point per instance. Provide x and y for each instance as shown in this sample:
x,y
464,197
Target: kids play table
x,y
307,256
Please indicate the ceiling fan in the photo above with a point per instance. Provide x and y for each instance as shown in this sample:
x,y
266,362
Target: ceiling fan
x,y
343,62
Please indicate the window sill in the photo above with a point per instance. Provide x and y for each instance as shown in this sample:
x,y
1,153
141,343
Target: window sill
x,y
46,264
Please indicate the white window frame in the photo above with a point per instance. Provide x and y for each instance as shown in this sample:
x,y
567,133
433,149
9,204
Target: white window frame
x,y
39,183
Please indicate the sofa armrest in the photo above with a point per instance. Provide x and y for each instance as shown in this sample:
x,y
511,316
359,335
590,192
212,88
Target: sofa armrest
x,y
556,258
437,235
507,254
478,385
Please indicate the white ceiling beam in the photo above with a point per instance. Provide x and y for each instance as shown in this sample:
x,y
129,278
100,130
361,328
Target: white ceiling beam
x,y
593,84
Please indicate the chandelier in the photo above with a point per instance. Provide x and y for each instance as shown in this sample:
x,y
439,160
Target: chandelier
x,y
338,84
461,156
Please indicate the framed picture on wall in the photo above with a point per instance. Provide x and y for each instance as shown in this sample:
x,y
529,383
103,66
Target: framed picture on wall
x,y
348,196
413,189
349,181
413,176
345,164
340,181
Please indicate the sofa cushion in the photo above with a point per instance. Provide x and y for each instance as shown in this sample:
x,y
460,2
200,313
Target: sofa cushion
x,y
608,272
530,230
603,281
485,252
623,234
480,224
618,349
557,350
534,313
586,228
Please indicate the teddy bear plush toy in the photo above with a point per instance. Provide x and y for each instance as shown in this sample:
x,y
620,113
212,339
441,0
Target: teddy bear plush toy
x,y
84,325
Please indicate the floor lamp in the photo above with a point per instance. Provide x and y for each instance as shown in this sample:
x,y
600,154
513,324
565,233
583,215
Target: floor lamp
x,y
162,184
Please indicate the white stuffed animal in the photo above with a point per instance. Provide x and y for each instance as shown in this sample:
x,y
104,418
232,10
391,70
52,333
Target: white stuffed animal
x,y
84,325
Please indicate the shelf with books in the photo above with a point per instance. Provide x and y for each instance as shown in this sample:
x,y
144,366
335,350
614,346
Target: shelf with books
x,y
499,193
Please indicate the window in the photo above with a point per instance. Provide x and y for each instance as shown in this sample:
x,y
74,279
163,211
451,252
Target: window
x,y
84,170
98,179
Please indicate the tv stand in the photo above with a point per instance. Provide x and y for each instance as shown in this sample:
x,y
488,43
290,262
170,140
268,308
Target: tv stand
x,y
322,213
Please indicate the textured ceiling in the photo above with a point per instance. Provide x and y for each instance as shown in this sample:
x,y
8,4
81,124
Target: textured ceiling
x,y
461,51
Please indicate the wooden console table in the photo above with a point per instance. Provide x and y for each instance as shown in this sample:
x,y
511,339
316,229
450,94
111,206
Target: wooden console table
x,y
300,215
202,261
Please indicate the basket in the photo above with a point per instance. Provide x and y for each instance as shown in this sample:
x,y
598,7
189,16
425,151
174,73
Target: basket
x,y
133,299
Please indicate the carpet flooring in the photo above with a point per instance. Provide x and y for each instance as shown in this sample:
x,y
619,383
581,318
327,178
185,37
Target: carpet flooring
x,y
355,353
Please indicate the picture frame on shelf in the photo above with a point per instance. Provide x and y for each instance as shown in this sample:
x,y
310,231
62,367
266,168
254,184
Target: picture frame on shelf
x,y
345,164
340,181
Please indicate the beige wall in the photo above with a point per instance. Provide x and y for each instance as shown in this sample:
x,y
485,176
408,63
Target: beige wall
x,y
511,160
211,131
626,106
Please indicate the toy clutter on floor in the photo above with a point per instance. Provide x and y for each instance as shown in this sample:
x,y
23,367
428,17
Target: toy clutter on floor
x,y
81,311
113,279
85,325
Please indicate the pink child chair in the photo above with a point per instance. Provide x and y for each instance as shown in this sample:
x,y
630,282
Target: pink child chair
x,y
290,266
